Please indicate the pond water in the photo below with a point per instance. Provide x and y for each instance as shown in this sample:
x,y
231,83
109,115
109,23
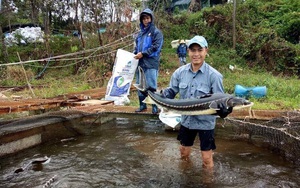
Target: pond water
x,y
140,153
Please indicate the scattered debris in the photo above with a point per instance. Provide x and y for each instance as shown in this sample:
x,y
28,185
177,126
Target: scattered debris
x,y
67,139
16,97
234,67
2,96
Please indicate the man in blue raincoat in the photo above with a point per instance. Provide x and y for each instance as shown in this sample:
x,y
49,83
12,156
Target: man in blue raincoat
x,y
181,52
147,50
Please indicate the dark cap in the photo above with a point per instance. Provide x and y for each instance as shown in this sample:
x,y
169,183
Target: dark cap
x,y
145,14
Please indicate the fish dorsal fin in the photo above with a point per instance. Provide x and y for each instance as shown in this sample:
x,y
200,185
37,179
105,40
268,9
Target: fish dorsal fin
x,y
214,105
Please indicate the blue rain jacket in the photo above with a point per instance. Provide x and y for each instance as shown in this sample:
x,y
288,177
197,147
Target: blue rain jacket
x,y
149,41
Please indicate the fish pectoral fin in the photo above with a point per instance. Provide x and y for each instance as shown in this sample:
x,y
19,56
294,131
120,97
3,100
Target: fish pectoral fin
x,y
214,105
148,100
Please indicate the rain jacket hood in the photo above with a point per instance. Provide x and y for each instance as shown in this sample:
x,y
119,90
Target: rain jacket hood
x,y
149,12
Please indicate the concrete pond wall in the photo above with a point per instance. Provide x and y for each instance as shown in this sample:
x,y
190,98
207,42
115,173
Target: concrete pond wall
x,y
27,132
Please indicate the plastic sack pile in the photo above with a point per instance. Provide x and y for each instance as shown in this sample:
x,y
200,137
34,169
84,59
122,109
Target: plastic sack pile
x,y
24,36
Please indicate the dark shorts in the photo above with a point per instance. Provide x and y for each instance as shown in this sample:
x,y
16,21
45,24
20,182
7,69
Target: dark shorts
x,y
187,137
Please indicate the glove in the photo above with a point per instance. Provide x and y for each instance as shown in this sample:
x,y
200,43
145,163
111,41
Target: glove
x,y
223,110
151,89
145,93
167,93
160,93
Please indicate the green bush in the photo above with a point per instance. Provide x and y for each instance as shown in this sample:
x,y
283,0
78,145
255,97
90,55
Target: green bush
x,y
264,30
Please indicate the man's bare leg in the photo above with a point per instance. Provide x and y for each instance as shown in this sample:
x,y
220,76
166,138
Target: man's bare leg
x,y
207,159
185,152
207,164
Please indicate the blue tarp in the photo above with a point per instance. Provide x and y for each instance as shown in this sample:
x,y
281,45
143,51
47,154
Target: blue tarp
x,y
184,4
181,4
101,30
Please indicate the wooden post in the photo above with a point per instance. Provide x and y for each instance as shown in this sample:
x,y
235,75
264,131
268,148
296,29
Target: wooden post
x,y
233,25
26,76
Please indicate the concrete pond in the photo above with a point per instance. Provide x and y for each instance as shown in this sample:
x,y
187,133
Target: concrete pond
x,y
77,149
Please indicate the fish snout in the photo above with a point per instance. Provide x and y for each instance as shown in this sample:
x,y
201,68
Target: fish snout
x,y
246,102
237,101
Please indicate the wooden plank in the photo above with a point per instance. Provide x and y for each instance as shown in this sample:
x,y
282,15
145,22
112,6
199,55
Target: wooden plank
x,y
93,102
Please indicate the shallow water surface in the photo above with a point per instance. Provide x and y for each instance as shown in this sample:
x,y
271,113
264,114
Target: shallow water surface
x,y
140,153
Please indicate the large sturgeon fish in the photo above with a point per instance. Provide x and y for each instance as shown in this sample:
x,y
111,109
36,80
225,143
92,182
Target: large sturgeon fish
x,y
204,105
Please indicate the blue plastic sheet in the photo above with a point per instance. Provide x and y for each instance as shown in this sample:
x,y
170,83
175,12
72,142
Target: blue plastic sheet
x,y
246,92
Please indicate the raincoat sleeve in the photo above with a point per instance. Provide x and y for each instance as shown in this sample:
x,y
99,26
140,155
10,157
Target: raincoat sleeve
x,y
157,42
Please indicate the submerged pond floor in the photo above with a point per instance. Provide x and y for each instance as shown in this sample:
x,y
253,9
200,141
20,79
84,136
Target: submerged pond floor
x,y
140,153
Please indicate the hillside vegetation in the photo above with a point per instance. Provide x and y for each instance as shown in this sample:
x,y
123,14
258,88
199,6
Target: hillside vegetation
x,y
266,53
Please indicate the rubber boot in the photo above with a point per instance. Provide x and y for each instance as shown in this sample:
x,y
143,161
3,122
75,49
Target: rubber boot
x,y
143,106
154,109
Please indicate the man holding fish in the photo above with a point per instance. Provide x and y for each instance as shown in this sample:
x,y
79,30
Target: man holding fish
x,y
202,98
191,81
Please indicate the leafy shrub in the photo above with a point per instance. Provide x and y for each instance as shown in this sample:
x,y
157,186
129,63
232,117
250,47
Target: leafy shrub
x,y
263,32
290,30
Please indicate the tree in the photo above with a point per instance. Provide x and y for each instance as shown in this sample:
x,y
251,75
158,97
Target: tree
x,y
6,15
195,5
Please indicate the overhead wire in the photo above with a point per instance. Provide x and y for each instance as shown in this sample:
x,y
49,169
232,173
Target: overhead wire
x,y
94,50
77,58
71,64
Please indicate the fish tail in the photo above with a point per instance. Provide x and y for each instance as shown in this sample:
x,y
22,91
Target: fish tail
x,y
142,85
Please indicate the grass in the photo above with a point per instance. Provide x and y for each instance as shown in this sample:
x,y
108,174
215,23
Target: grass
x,y
283,93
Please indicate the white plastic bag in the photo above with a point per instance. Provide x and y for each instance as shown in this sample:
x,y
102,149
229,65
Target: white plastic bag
x,y
122,101
170,119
